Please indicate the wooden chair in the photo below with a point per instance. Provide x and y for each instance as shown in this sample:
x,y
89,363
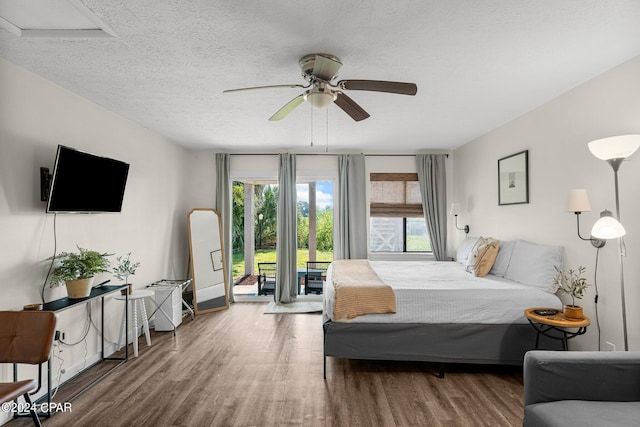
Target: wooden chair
x,y
25,337
266,278
315,277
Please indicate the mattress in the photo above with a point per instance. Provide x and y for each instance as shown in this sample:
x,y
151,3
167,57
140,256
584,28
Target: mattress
x,y
443,292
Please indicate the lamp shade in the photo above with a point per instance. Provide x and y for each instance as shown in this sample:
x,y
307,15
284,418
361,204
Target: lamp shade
x,y
578,201
607,227
455,209
615,147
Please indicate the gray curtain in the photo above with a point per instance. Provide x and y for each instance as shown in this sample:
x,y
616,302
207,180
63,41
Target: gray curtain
x,y
433,188
287,236
352,208
224,208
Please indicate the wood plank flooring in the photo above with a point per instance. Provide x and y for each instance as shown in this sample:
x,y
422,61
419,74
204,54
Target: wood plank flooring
x,y
241,367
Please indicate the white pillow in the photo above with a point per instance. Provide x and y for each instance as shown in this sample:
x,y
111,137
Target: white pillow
x,y
465,249
533,264
502,260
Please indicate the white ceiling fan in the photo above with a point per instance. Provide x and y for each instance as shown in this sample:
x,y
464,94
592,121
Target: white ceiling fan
x,y
319,69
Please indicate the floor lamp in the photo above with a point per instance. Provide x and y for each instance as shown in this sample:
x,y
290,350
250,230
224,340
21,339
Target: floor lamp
x,y
614,150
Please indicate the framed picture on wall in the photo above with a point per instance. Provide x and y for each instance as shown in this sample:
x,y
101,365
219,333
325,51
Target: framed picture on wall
x,y
513,179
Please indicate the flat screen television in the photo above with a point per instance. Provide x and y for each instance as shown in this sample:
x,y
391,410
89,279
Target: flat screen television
x,y
86,183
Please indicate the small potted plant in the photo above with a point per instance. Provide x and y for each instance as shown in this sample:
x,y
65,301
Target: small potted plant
x,y
125,268
571,282
77,270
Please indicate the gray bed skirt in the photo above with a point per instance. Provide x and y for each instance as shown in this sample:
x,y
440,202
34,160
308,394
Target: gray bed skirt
x,y
443,343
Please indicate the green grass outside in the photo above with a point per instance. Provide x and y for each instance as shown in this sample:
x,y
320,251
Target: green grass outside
x,y
269,255
418,243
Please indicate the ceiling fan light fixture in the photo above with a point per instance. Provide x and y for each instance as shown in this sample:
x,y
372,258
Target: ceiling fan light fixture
x,y
320,69
320,100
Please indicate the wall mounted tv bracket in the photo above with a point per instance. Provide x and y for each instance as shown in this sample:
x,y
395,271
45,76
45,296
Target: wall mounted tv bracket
x,y
45,184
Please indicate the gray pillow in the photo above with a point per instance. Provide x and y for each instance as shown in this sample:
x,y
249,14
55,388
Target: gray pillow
x,y
533,264
465,248
502,260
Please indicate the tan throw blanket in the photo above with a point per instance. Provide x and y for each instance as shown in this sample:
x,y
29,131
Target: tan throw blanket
x,y
359,290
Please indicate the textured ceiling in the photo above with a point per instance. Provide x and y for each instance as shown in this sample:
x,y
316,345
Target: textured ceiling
x,y
478,64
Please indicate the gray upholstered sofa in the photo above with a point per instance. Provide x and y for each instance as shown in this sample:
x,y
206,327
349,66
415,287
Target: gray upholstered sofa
x,y
581,388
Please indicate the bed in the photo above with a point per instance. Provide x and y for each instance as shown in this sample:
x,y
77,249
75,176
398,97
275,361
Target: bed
x,y
446,314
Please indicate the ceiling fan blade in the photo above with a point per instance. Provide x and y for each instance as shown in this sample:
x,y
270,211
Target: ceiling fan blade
x,y
379,86
325,68
289,107
350,107
264,87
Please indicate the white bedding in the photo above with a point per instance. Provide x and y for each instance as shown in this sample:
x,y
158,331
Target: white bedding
x,y
443,292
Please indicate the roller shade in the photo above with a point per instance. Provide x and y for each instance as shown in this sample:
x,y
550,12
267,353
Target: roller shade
x,y
395,195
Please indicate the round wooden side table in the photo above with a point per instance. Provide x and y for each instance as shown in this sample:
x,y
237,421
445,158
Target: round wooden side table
x,y
556,326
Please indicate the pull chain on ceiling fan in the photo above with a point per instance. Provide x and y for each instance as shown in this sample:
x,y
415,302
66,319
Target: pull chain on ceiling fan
x,y
326,149
320,69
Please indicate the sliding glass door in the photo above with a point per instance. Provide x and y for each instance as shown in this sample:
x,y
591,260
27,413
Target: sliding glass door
x,y
254,228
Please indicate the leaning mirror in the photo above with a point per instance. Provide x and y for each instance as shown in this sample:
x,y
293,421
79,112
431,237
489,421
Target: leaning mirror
x,y
207,255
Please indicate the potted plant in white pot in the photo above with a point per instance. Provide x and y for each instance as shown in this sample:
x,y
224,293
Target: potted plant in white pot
x,y
77,270
571,282
125,268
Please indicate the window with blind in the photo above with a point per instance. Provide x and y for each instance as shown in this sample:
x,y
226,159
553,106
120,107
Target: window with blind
x,y
396,220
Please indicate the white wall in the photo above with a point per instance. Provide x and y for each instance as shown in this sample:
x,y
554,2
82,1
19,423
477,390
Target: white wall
x,y
202,189
556,135
37,116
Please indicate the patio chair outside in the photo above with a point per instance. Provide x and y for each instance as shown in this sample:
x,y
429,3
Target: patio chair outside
x,y
315,277
266,278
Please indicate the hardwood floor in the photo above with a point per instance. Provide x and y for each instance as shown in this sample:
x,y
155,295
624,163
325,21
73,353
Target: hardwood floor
x,y
244,368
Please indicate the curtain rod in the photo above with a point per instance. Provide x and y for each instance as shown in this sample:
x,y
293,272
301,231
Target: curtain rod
x,y
332,155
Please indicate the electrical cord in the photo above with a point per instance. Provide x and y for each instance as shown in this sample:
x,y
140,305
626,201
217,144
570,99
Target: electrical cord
x,y
88,324
595,285
86,351
53,258
60,370
84,333
100,331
